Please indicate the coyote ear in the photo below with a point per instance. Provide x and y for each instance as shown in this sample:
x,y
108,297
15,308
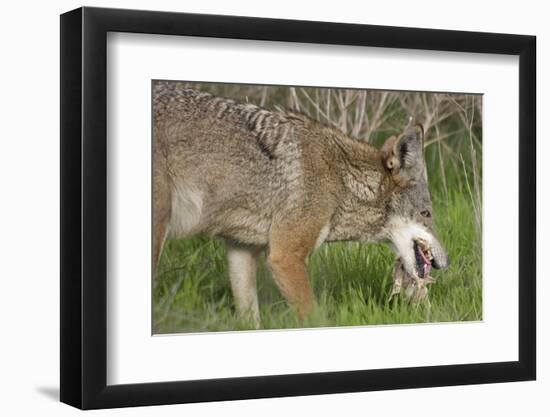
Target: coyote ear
x,y
404,156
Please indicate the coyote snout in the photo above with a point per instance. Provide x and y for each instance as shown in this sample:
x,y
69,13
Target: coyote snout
x,y
283,183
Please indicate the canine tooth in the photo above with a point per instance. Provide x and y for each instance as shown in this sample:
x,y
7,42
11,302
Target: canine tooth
x,y
422,243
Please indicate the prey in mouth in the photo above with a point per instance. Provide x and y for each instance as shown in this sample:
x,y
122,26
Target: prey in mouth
x,y
414,285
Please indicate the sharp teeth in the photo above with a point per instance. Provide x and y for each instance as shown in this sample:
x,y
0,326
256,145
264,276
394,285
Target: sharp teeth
x,y
425,248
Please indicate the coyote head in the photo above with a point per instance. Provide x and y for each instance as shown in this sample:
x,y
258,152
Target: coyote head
x,y
409,226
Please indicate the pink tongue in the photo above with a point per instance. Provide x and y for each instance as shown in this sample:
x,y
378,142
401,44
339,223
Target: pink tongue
x,y
427,268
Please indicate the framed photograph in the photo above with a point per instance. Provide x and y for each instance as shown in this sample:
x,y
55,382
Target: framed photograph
x,y
258,208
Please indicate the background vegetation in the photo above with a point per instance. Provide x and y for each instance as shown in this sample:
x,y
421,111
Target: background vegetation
x,y
352,281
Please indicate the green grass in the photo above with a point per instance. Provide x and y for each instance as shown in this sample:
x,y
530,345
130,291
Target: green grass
x,y
351,281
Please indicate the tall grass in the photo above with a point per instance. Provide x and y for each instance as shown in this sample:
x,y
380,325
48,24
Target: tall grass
x,y
352,281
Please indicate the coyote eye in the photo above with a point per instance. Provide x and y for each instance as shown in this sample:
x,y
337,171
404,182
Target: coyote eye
x,y
426,213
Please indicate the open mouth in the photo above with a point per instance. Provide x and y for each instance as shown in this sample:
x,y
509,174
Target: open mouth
x,y
423,258
414,284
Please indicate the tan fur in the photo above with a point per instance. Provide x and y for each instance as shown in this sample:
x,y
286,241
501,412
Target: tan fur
x,y
274,181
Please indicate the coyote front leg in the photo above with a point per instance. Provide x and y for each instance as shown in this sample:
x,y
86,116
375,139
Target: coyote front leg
x,y
243,263
290,247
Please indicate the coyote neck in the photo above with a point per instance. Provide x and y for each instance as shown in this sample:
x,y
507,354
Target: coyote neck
x,y
361,213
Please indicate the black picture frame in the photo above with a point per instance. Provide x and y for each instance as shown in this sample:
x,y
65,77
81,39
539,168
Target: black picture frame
x,y
84,207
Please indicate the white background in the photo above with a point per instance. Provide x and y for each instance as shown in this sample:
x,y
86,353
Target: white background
x,y
29,225
134,356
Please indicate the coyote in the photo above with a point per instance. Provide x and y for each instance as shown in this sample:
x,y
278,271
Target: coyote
x,y
280,182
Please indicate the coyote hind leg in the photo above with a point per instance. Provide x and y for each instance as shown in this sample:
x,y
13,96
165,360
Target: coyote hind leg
x,y
243,262
161,214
